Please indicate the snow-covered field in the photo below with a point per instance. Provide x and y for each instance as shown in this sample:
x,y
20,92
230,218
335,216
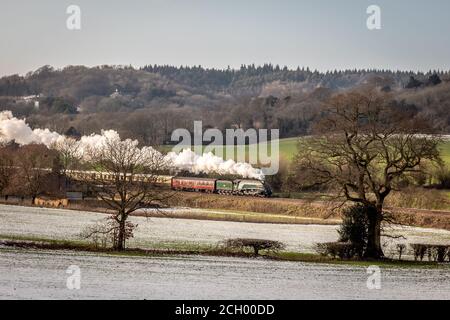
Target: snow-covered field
x,y
66,224
42,275
29,274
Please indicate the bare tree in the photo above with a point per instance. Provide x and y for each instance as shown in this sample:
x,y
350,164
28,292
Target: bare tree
x,y
31,161
362,148
125,181
69,153
6,168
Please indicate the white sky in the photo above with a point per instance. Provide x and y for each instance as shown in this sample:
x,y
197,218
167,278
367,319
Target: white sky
x,y
322,34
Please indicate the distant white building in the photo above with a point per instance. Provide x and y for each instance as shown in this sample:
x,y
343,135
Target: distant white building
x,y
30,99
116,94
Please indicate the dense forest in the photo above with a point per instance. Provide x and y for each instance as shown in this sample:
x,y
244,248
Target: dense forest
x,y
150,102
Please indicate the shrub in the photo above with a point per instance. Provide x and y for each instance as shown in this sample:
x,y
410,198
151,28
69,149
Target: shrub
x,y
354,228
105,233
278,181
436,253
443,177
419,251
400,249
439,253
342,250
255,244
412,180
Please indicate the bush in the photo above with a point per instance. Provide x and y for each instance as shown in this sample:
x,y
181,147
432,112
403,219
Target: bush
x,y
105,233
278,182
436,253
354,228
342,250
443,177
255,244
353,235
400,250
413,179
439,253
419,251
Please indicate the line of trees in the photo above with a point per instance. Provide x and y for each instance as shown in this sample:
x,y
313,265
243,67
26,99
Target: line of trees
x,y
31,171
19,173
268,96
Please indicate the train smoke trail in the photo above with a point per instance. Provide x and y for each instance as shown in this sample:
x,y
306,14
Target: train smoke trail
x,y
209,163
14,129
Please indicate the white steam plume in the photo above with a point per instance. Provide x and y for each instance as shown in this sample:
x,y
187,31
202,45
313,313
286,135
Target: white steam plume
x,y
18,130
209,163
14,129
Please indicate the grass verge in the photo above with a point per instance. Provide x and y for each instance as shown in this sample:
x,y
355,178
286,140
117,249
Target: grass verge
x,y
387,263
33,243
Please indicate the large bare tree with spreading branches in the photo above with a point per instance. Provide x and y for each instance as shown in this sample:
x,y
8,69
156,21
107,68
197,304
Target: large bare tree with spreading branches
x,y
361,149
125,180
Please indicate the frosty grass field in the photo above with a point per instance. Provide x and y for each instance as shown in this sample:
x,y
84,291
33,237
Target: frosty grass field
x,y
164,232
42,275
31,274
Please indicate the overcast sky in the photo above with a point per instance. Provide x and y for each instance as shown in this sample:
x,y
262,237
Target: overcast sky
x,y
321,34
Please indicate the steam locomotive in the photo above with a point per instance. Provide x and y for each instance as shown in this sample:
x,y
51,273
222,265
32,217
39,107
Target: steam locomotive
x,y
245,187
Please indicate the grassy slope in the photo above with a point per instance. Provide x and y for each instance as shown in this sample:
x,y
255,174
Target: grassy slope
x,y
288,149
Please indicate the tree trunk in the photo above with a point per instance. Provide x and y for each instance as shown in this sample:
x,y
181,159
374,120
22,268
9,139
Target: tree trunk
x,y
120,244
375,217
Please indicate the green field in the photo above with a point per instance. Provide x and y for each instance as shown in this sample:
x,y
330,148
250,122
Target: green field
x,y
288,149
445,151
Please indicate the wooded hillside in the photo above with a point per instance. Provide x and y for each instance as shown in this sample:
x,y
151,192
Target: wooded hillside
x,y
149,103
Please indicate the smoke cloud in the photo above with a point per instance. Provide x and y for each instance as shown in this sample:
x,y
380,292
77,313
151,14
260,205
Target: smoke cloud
x,y
14,129
18,130
209,163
